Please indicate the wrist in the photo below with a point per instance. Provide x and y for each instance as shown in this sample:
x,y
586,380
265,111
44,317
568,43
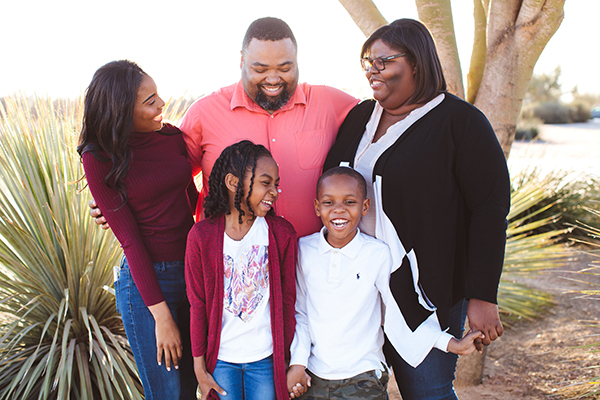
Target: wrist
x,y
160,312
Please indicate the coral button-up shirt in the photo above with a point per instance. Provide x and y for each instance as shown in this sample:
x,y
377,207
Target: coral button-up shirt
x,y
299,135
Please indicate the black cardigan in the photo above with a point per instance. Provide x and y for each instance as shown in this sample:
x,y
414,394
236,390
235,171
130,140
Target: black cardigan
x,y
446,190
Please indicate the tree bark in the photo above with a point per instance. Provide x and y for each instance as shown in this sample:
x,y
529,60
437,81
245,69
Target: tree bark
x,y
518,31
437,15
365,15
477,64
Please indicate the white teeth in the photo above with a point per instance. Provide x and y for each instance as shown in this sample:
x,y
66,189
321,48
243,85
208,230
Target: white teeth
x,y
272,89
267,202
339,222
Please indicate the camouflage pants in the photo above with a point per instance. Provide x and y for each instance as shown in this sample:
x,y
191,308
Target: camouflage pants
x,y
365,386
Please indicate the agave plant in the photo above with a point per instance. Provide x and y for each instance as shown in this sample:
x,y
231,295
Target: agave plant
x,y
60,335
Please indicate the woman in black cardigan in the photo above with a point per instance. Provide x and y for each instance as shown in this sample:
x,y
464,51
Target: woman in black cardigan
x,y
440,194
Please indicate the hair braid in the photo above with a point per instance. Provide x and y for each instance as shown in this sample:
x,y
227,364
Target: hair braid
x,y
238,159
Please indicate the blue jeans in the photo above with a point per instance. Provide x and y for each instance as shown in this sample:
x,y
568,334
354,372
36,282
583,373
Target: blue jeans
x,y
140,329
432,379
246,381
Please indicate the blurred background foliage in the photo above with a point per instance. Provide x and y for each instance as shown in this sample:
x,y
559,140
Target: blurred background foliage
x,y
547,103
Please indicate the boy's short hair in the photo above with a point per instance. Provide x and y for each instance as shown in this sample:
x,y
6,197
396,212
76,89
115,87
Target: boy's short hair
x,y
347,171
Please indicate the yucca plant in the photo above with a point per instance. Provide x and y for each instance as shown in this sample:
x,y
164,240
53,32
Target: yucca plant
x,y
61,336
530,248
588,388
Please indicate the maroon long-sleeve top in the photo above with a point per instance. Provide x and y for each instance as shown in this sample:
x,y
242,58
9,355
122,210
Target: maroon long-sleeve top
x,y
204,277
152,225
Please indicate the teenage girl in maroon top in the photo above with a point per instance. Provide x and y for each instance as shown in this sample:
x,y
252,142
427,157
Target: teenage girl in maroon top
x,y
139,175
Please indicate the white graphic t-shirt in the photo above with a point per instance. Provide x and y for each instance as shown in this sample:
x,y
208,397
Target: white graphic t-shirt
x,y
246,332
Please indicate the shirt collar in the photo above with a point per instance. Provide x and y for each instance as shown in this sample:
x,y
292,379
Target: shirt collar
x,y
350,250
241,99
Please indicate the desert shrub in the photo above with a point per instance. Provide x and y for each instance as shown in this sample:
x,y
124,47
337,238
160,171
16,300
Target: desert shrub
x,y
550,113
528,129
580,111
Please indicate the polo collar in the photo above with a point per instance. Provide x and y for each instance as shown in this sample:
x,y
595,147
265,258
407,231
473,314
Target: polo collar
x,y
350,250
241,99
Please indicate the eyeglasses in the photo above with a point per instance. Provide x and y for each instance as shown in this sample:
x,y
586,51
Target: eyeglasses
x,y
378,63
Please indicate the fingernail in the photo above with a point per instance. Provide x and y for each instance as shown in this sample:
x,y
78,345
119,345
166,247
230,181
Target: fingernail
x,y
169,369
177,367
159,363
224,393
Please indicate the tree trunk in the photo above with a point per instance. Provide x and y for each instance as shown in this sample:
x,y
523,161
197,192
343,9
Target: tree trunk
x,y
477,65
517,32
365,15
437,15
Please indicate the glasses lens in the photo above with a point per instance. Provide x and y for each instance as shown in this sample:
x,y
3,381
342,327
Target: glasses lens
x,y
365,63
378,64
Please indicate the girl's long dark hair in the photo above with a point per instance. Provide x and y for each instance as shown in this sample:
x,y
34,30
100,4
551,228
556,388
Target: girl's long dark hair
x,y
108,118
238,159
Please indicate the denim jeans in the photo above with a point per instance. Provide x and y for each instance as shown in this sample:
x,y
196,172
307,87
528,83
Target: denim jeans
x,y
140,329
246,381
432,379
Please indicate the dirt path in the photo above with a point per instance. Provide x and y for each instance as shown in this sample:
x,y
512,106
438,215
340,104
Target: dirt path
x,y
537,359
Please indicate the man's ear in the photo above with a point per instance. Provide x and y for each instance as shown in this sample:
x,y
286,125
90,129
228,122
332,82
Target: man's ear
x,y
231,181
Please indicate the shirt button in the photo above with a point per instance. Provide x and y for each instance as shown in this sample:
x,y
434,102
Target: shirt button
x,y
273,139
279,190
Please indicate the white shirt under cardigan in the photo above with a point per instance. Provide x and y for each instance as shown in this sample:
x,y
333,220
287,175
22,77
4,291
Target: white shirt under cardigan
x,y
338,305
368,152
246,331
413,346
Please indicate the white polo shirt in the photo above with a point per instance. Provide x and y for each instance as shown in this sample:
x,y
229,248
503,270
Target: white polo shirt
x,y
338,305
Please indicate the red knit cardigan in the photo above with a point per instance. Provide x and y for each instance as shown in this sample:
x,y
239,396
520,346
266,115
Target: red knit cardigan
x,y
204,272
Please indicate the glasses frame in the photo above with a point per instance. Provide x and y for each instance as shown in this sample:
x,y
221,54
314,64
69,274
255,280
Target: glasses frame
x,y
371,62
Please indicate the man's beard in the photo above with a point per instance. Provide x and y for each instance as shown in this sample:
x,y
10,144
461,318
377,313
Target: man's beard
x,y
271,103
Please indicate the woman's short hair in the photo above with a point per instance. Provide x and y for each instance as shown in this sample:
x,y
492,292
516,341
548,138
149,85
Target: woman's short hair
x,y
413,38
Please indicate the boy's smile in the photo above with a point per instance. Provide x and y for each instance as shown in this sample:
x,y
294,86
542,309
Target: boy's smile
x,y
340,204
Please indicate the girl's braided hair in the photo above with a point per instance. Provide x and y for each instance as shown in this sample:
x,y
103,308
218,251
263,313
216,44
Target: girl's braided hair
x,y
238,159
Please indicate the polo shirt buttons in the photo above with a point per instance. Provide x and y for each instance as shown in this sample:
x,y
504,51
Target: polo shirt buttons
x,y
273,140
279,190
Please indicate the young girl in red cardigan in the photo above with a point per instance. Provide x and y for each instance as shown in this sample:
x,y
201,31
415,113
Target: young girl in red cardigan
x,y
240,265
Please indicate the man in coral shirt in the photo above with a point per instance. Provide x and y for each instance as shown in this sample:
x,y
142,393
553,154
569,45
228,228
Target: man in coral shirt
x,y
298,123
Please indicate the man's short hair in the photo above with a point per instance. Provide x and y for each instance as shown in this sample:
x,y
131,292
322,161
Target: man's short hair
x,y
347,171
268,28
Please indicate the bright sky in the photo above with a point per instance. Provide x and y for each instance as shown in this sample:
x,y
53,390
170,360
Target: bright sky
x,y
192,47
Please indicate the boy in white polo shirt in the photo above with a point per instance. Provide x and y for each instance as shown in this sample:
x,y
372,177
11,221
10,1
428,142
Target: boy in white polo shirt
x,y
341,278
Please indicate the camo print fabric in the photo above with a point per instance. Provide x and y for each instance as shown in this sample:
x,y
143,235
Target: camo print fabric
x,y
365,386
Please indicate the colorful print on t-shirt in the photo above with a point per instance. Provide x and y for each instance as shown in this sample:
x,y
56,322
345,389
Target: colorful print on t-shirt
x,y
246,281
